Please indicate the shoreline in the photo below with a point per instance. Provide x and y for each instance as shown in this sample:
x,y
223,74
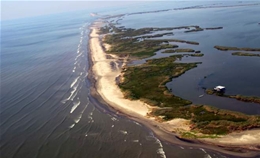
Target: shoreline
x,y
106,69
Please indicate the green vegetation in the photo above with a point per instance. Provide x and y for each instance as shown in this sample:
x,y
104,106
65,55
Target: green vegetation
x,y
130,46
210,91
246,98
147,82
169,51
194,135
213,28
124,42
154,74
197,55
225,48
197,28
174,40
157,35
178,50
104,30
245,54
184,50
251,99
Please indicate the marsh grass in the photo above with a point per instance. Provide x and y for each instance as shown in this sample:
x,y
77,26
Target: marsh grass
x,y
147,83
245,54
226,48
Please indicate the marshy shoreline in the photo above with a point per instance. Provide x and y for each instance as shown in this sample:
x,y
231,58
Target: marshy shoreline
x,y
104,89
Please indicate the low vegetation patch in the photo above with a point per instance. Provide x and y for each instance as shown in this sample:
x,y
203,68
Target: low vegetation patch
x,y
178,50
197,55
194,135
184,50
245,54
147,82
169,51
175,40
252,99
225,48
213,28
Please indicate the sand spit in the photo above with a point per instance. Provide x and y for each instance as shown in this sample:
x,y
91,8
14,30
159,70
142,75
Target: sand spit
x,y
106,78
105,71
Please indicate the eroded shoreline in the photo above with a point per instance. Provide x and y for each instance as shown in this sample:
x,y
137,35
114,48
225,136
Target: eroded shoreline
x,y
106,87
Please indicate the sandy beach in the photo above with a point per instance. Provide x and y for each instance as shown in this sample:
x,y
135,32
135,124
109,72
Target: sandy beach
x,y
106,68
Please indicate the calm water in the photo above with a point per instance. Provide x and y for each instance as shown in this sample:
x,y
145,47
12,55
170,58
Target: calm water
x,y
240,75
46,108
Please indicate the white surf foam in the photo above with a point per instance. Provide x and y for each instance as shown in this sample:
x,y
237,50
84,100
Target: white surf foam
x,y
76,62
203,150
137,123
114,119
74,82
160,150
75,105
123,132
71,126
80,114
78,55
71,94
207,156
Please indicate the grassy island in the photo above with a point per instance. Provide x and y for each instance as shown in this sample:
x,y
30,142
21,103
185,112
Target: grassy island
x,y
131,42
225,48
184,50
214,28
194,30
157,35
197,28
251,99
245,54
146,82
176,40
178,50
169,51
197,55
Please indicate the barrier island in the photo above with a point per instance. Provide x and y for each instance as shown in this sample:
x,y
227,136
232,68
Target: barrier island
x,y
141,89
147,82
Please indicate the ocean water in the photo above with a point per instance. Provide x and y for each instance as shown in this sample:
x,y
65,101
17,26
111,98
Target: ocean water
x,y
46,108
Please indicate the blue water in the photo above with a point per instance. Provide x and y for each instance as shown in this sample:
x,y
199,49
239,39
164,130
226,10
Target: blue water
x,y
46,106
240,75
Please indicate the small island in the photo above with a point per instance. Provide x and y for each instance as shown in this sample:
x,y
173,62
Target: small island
x,y
225,48
197,28
178,50
245,54
214,28
251,99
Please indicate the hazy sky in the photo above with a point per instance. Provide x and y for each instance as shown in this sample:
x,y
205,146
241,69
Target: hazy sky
x,y
20,9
